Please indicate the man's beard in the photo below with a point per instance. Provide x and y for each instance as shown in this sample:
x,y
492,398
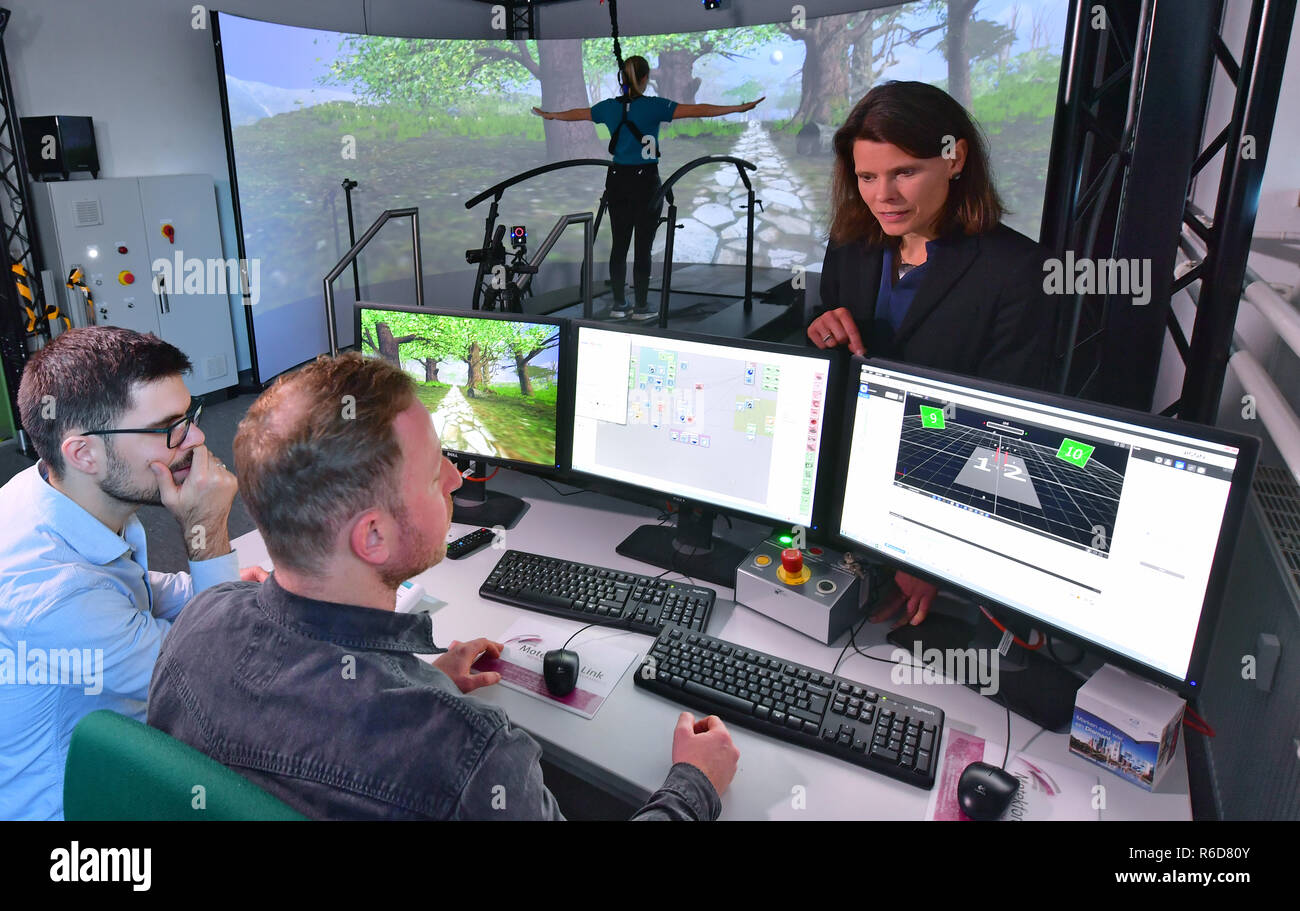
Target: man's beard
x,y
118,484
418,553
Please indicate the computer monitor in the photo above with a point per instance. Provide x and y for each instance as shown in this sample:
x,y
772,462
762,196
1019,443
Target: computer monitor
x,y
736,426
1111,526
492,383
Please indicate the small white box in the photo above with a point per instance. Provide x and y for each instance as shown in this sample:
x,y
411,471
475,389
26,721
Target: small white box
x,y
1126,724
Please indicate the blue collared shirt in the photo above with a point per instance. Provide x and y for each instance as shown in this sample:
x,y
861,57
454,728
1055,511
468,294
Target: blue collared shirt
x,y
82,620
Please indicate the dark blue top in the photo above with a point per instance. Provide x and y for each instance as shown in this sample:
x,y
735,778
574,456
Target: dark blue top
x,y
647,112
327,707
893,298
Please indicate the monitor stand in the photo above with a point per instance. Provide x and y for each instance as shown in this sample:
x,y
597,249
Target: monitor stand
x,y
688,547
474,504
1029,683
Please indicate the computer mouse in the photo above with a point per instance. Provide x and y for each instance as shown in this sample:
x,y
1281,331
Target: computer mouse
x,y
985,791
560,671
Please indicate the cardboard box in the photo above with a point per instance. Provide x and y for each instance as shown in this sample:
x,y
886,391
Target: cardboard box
x,y
1127,724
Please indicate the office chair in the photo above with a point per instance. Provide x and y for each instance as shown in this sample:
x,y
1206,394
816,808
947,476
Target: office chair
x,y
120,769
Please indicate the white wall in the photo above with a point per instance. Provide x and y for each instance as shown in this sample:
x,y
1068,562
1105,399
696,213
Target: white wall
x,y
147,77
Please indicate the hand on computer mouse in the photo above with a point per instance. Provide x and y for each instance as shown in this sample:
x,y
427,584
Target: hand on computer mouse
x,y
915,595
706,744
460,657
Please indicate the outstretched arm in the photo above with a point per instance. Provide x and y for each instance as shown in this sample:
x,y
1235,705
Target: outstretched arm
x,y
712,110
571,114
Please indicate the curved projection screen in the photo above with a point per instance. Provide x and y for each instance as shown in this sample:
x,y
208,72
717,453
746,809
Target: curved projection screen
x,y
430,123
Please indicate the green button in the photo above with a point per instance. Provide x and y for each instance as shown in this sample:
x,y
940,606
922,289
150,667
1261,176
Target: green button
x,y
1074,452
932,417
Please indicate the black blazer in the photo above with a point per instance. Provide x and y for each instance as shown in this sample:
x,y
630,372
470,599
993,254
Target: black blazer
x,y
980,309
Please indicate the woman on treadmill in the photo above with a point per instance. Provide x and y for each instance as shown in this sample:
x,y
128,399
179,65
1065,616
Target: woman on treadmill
x,y
633,120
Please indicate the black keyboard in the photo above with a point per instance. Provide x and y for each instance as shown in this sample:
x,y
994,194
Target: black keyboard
x,y
577,591
868,727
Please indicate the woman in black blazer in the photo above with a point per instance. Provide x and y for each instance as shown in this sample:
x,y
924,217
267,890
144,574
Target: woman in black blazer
x,y
919,267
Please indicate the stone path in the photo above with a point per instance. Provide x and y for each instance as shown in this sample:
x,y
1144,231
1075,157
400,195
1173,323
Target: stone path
x,y
459,428
713,224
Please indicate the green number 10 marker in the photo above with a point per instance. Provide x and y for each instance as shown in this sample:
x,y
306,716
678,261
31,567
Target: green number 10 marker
x,y
1074,452
931,417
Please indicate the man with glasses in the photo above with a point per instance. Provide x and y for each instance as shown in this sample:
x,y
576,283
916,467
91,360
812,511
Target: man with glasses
x,y
82,618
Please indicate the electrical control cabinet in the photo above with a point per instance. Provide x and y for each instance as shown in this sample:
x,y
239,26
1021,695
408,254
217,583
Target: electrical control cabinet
x,y
150,252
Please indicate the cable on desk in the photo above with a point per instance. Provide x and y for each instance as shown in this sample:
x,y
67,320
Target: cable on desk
x,y
1041,732
852,632
572,493
589,626
1006,752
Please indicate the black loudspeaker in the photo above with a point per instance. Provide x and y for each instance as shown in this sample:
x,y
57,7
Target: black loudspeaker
x,y
57,146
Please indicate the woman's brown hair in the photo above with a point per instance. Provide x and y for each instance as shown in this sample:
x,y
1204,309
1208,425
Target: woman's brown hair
x,y
640,68
923,121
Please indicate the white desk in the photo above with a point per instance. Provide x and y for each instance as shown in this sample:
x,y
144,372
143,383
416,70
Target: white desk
x,y
626,748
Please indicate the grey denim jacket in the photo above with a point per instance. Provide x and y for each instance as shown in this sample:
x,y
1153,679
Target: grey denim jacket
x,y
327,707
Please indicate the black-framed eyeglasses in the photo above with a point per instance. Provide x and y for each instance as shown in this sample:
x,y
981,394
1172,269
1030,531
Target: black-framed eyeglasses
x,y
175,431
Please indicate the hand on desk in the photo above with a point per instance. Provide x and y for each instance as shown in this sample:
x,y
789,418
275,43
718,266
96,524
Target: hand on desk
x,y
916,595
706,744
460,657
253,574
834,328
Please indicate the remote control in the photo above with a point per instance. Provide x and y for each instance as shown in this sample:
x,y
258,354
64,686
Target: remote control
x,y
467,544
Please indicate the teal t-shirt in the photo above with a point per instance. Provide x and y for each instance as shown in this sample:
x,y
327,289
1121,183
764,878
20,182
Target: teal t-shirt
x,y
647,112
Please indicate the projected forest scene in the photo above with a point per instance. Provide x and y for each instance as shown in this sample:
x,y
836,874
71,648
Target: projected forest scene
x,y
430,123
490,385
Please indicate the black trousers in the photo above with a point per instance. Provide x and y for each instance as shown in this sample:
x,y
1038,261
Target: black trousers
x,y
629,191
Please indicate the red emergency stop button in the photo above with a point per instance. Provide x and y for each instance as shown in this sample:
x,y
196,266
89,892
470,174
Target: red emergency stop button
x,y
792,560
121,248
125,277
169,232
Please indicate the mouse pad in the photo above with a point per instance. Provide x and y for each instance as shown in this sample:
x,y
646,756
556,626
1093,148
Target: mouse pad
x,y
1048,790
602,664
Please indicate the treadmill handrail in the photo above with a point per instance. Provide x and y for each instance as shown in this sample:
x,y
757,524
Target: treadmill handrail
x,y
409,212
498,189
667,188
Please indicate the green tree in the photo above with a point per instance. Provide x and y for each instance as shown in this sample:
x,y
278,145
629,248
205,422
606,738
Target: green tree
x,y
479,343
674,56
526,341
437,73
384,333
827,66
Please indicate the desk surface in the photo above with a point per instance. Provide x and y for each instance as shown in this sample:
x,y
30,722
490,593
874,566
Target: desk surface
x,y
626,748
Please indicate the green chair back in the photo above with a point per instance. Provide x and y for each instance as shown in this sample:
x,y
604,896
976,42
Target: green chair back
x,y
120,769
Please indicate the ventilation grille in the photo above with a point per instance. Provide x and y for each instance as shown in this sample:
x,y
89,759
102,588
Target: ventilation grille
x,y
86,213
1279,500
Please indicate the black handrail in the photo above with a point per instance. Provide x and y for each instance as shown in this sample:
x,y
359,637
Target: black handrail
x,y
667,191
497,189
414,214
